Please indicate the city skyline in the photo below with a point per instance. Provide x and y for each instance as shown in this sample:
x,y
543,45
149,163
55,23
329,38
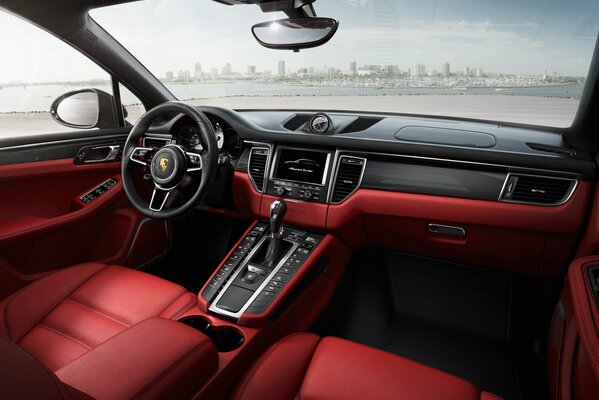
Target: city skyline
x,y
354,68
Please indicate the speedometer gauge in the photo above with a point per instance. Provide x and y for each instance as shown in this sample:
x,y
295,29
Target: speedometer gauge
x,y
189,136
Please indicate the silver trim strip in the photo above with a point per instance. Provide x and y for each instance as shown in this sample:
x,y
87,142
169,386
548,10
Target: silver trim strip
x,y
113,151
574,175
168,193
563,201
265,283
135,160
336,171
457,231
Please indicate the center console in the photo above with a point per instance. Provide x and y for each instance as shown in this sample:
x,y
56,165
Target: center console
x,y
249,281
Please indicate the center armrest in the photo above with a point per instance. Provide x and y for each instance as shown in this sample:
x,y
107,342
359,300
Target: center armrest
x,y
156,358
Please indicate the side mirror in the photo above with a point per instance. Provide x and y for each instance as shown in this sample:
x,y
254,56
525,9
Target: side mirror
x,y
85,109
295,33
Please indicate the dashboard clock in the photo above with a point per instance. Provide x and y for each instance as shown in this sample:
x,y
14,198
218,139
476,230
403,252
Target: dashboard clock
x,y
320,123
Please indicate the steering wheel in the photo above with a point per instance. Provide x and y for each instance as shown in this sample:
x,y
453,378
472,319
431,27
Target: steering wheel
x,y
172,167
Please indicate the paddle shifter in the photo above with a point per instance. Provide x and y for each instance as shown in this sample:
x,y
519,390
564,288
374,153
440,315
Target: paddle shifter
x,y
278,209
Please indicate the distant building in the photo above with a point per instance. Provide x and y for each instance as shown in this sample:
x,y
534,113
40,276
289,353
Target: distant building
x,y
214,72
478,72
227,70
251,70
310,70
169,75
353,68
332,73
187,75
302,71
418,70
467,71
198,71
181,75
391,70
281,68
446,71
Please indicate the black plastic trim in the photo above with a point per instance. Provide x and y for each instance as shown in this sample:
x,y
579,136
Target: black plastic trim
x,y
60,148
433,180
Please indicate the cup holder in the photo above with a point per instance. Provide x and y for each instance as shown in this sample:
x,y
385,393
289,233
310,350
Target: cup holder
x,y
225,338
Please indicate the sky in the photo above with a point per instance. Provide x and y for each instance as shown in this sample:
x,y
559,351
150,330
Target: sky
x,y
520,37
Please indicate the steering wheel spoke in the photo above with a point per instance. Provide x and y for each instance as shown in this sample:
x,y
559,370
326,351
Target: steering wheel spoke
x,y
194,162
160,197
139,155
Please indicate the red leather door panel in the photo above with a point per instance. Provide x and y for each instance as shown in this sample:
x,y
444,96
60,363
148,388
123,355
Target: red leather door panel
x,y
44,225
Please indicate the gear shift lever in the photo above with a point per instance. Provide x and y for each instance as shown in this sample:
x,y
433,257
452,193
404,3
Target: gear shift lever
x,y
278,209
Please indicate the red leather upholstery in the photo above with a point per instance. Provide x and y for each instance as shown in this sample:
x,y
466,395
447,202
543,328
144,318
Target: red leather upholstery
x,y
155,359
164,359
66,314
303,366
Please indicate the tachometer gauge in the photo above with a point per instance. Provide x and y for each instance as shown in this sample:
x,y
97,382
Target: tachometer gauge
x,y
220,135
320,123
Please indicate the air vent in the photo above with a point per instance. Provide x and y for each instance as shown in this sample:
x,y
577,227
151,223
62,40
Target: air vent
x,y
155,142
361,124
296,121
537,189
349,175
551,149
257,166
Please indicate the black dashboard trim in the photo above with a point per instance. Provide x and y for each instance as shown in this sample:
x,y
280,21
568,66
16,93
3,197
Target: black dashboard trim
x,y
511,150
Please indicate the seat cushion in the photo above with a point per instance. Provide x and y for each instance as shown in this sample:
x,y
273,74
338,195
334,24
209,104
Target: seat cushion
x,y
304,366
62,316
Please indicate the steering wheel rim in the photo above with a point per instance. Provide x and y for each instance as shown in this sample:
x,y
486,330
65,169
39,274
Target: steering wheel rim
x,y
168,175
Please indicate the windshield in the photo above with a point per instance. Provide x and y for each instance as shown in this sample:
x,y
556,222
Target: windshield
x,y
522,61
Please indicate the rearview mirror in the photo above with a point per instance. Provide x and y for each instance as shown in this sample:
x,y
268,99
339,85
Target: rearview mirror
x,y
295,33
85,109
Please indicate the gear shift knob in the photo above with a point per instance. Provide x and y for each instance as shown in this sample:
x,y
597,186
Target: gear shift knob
x,y
278,209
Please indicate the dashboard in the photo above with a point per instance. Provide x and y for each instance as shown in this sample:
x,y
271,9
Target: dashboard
x,y
466,191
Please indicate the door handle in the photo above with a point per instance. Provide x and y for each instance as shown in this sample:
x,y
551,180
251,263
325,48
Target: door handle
x,y
447,230
97,154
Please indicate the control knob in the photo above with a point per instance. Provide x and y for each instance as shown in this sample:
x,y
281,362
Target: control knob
x,y
307,194
279,190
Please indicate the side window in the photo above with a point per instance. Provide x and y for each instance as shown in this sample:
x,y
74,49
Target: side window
x,y
38,68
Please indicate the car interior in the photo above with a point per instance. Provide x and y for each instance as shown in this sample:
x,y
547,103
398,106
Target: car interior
x,y
210,252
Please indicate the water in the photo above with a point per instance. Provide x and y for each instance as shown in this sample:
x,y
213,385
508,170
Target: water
x,y
39,98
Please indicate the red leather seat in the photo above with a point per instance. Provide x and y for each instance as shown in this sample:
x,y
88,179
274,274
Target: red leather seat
x,y
304,366
155,359
64,315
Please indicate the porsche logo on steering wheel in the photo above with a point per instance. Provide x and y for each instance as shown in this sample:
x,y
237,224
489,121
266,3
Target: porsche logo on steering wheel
x,y
163,162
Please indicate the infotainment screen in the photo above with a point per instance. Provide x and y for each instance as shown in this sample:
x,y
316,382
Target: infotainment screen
x,y
301,165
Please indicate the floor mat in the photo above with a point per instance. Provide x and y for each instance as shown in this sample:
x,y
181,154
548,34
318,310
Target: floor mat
x,y
447,316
